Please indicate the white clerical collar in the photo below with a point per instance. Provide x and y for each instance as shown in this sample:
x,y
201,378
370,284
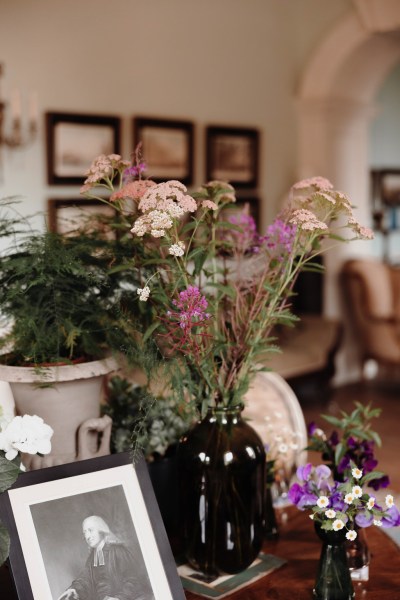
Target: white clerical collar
x,y
98,554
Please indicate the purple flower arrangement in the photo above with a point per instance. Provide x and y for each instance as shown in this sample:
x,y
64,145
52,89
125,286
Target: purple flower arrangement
x,y
335,492
338,505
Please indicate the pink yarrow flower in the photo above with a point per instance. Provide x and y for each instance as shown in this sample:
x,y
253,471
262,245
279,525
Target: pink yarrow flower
x,y
133,189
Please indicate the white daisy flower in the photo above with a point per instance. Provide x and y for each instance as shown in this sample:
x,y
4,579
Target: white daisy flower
x,y
377,523
337,525
349,498
322,502
330,513
357,473
351,535
357,491
389,500
371,503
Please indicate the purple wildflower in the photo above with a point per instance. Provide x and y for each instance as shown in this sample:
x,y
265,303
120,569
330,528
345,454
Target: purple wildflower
x,y
303,472
391,517
381,482
134,171
191,307
311,428
279,237
245,237
364,519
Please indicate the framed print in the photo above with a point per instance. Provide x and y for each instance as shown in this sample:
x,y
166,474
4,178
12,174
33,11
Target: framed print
x,y
65,215
92,526
167,148
74,140
232,154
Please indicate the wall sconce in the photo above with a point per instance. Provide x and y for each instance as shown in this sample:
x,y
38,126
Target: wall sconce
x,y
16,137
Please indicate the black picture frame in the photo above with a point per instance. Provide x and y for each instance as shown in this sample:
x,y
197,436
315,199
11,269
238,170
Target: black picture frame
x,y
74,140
44,510
64,215
167,147
232,154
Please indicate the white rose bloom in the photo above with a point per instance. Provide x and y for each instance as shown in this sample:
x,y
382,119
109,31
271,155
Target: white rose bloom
x,y
27,434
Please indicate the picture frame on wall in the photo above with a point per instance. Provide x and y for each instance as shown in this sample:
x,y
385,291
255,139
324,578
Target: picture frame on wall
x,y
65,215
56,517
167,148
74,140
232,154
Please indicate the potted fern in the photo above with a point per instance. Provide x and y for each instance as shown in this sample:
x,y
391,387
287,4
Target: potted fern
x,y
65,318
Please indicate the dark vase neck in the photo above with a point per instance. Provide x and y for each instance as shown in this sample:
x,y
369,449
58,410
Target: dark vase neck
x,y
224,415
331,538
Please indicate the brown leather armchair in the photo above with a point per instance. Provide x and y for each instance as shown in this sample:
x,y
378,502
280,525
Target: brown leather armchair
x,y
372,293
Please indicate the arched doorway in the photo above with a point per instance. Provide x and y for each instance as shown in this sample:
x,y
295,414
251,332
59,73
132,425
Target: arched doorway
x,y
335,106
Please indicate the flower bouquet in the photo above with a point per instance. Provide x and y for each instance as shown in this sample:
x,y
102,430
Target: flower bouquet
x,y
26,434
335,493
217,290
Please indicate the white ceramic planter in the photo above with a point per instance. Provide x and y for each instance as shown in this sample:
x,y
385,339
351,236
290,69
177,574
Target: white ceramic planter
x,y
68,399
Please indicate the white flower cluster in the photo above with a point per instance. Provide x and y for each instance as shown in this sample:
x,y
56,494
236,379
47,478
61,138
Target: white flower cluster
x,y
282,442
161,204
27,434
143,293
177,249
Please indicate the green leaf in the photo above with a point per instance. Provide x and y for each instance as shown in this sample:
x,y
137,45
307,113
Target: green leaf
x,y
150,330
332,420
339,452
226,290
199,257
372,475
8,473
4,544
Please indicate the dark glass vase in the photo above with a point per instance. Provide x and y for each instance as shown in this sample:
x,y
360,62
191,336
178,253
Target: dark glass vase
x,y
333,580
221,469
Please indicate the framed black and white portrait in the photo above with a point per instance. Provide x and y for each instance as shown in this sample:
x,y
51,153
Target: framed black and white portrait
x,y
167,147
74,141
232,154
91,526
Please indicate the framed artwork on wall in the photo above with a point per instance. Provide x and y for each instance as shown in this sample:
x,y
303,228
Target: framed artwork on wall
x,y
167,148
65,215
74,140
232,154
59,517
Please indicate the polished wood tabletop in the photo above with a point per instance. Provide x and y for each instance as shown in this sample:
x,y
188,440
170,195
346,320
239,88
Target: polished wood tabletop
x,y
299,545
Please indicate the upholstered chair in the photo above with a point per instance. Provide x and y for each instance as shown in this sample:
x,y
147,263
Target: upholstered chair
x,y
372,294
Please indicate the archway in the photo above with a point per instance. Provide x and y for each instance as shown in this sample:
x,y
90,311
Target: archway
x,y
335,105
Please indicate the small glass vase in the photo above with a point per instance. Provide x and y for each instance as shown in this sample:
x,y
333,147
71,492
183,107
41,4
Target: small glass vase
x,y
358,556
333,581
221,469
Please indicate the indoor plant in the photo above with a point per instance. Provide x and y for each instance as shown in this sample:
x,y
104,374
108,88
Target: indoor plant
x,y
337,509
352,441
217,290
63,322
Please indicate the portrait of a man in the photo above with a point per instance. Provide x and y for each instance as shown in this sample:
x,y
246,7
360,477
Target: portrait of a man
x,y
90,547
108,572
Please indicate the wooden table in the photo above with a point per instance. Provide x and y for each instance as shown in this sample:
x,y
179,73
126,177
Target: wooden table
x,y
299,545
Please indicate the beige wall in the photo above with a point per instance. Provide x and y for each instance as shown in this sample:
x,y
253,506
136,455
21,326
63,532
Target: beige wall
x,y
234,62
